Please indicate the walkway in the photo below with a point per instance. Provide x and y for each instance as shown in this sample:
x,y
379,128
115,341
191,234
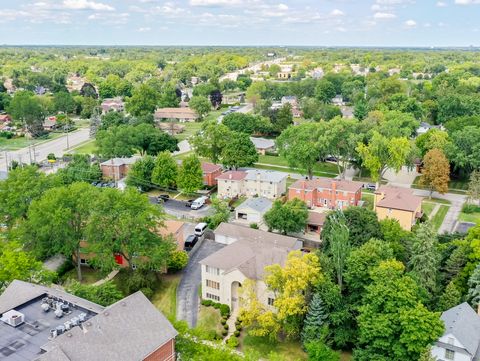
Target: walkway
x,y
106,279
231,322
54,263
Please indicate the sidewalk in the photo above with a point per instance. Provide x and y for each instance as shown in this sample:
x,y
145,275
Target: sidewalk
x,y
106,279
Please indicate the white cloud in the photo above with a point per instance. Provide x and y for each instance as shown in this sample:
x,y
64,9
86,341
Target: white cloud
x,y
410,23
467,2
337,12
380,15
110,18
86,5
215,2
282,7
144,30
441,4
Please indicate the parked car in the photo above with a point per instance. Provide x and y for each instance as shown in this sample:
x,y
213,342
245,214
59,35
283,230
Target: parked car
x,y
190,242
163,197
371,187
198,203
189,203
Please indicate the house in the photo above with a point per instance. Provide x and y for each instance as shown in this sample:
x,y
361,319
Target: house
x,y
347,111
5,118
292,100
263,145
113,105
398,203
337,68
177,114
253,210
210,173
231,184
245,257
47,324
315,222
393,71
327,193
75,82
50,123
425,127
461,339
317,73
338,101
297,113
174,229
117,168
282,75
250,183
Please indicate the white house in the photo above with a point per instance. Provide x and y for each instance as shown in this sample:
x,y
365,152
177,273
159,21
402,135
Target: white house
x,y
461,339
255,182
253,209
425,127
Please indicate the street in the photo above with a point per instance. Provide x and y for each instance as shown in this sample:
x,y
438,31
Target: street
x,y
40,151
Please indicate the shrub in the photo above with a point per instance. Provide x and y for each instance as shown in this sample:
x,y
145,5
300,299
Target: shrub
x,y
147,291
224,332
254,225
136,280
207,303
470,208
238,322
225,326
223,321
216,305
238,327
237,333
225,310
104,295
233,342
178,260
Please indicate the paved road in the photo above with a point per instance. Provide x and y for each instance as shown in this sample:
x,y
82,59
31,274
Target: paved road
x,y
178,208
187,291
56,146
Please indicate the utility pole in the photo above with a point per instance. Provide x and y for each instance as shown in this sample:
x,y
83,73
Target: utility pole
x,y
30,153
6,160
66,131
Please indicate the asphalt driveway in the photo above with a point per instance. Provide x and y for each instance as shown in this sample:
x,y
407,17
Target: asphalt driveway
x,y
187,291
178,209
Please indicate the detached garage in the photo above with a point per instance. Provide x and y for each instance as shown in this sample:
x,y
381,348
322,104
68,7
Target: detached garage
x,y
253,209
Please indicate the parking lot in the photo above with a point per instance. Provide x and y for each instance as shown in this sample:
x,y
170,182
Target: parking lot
x,y
179,209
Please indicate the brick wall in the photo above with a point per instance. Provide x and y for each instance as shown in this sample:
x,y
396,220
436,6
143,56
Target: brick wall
x,y
164,353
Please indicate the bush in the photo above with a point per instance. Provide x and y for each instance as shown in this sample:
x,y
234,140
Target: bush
x,y
136,280
225,326
224,310
178,260
233,341
238,327
238,322
147,291
104,295
223,321
470,208
207,303
254,225
224,332
237,333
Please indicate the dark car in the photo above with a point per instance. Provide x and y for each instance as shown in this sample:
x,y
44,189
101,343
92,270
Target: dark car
x,y
190,242
371,187
188,203
163,197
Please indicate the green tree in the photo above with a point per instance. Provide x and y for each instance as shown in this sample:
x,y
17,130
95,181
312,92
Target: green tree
x,y
80,169
474,187
105,294
245,123
433,139
116,141
288,217
190,175
151,140
221,213
27,109
325,91
210,141
393,323
168,97
464,149
362,224
63,102
178,260
239,151
140,174
165,171
451,297
143,101
424,257
315,326
201,105
319,351
473,295
283,118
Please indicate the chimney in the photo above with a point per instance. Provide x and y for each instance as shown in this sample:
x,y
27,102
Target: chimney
x,y
229,175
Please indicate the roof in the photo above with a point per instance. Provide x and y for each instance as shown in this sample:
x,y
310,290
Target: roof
x,y
210,167
171,227
464,323
262,143
327,183
258,204
250,255
316,218
120,161
132,328
265,175
236,175
113,101
175,113
20,292
398,198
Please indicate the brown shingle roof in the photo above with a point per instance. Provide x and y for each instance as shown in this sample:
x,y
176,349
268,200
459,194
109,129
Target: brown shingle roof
x,y
175,113
210,167
327,183
233,175
316,218
398,198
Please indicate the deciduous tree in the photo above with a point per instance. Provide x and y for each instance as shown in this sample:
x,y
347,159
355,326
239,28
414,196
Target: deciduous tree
x,y
239,151
288,217
435,171
201,105
210,141
190,175
165,171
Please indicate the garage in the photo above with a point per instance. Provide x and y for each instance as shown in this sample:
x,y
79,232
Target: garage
x,y
253,209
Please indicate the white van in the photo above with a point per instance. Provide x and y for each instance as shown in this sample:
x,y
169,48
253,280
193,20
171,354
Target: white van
x,y
200,229
198,203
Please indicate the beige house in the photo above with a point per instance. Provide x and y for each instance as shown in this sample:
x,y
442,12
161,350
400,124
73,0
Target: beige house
x,y
178,114
251,250
250,183
398,203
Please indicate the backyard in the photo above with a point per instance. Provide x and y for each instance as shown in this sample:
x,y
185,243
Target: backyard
x,y
454,186
165,296
435,209
470,213
279,163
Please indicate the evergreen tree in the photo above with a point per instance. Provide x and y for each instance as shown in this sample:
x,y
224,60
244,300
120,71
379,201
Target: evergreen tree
x,y
315,326
450,297
473,295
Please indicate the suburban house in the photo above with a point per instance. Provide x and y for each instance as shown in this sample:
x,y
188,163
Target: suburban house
x,y
317,73
75,82
425,127
284,75
174,229
117,168
338,101
290,99
263,145
177,114
47,324
393,71
326,192
461,339
113,105
315,222
398,203
250,183
210,173
50,123
245,257
253,210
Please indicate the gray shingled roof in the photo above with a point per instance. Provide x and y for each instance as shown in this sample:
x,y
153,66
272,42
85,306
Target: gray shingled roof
x,y
258,204
464,323
262,143
19,292
121,161
130,329
265,175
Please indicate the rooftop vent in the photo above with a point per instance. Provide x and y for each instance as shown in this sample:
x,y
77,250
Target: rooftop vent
x,y
13,318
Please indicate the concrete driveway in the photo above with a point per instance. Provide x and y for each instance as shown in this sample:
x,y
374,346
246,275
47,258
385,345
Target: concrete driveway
x,y
187,291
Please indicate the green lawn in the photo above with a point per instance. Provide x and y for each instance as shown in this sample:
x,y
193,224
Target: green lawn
x,y
368,199
454,186
165,296
190,129
208,323
470,217
89,275
280,161
291,351
215,114
427,208
88,147
22,142
438,218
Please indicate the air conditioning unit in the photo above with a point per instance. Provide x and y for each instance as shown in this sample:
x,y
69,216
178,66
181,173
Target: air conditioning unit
x,y
13,318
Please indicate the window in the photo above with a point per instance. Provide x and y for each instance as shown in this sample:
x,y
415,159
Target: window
x,y
213,284
270,301
213,270
213,297
83,261
449,354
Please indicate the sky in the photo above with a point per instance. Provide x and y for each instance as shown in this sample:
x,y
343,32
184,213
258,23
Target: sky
x,y
241,22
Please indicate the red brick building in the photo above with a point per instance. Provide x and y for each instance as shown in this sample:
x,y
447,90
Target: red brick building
x,y
326,192
117,168
210,173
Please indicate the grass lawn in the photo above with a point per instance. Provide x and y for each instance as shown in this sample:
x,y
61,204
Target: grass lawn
x,y
208,323
470,217
214,114
291,351
238,201
88,147
368,199
190,129
165,296
89,275
438,218
324,167
427,208
22,142
454,186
